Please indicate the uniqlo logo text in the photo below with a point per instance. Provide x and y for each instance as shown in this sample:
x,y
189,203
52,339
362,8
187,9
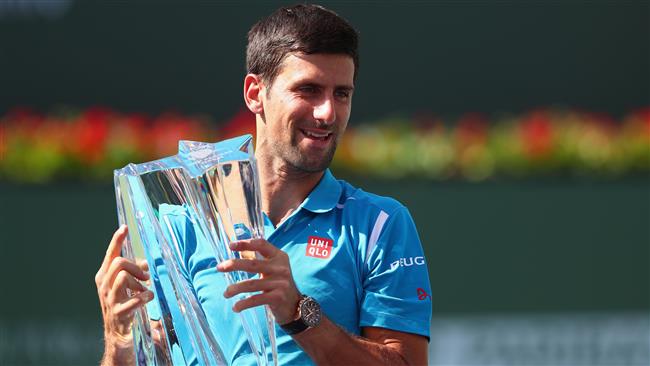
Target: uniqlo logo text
x,y
318,247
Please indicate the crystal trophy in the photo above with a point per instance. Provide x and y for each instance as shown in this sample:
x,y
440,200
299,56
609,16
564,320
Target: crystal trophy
x,y
182,212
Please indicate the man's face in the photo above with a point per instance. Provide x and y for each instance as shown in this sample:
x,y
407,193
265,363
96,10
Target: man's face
x,y
306,109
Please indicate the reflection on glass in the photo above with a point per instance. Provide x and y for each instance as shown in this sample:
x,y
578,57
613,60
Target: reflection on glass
x,y
195,202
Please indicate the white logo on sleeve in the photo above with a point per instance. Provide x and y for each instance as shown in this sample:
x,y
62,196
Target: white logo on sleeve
x,y
407,262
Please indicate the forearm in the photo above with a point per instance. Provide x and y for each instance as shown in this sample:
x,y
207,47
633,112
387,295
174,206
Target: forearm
x,y
117,355
328,344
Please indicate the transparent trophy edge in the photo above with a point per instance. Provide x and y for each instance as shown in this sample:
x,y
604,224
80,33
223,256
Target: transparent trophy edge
x,y
259,233
191,311
136,170
227,152
244,152
217,235
141,332
194,307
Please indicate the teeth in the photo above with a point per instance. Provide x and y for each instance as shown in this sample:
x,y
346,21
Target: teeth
x,y
317,135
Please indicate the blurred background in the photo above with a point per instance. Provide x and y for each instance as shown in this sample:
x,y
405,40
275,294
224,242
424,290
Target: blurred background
x,y
517,133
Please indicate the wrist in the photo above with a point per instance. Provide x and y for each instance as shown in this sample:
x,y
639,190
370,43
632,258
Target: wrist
x,y
293,312
118,351
309,315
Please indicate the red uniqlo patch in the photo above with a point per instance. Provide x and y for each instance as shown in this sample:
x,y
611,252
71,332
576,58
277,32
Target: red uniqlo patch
x,y
318,247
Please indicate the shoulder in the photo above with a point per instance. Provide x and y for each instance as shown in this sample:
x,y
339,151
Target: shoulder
x,y
355,201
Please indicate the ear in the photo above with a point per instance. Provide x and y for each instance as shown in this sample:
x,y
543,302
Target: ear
x,y
253,92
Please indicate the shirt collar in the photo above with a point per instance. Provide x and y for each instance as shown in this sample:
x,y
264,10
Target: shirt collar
x,y
325,195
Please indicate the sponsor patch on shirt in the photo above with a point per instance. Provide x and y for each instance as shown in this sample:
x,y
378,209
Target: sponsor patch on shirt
x,y
407,262
422,295
318,247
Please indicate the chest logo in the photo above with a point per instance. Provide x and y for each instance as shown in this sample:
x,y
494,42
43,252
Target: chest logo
x,y
318,247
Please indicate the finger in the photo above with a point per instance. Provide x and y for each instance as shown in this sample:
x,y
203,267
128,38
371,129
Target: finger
x,y
142,263
115,246
252,301
156,332
122,264
133,303
252,285
118,293
246,265
124,280
266,249
144,266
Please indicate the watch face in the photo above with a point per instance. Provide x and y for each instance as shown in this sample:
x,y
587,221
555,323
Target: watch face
x,y
310,312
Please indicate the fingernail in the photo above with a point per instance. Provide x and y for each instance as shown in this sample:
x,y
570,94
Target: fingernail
x,y
149,296
233,245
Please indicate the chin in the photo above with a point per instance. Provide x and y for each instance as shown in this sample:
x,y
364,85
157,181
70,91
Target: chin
x,y
313,166
303,161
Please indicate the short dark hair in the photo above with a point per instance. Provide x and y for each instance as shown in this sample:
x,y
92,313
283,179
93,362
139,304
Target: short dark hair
x,y
308,29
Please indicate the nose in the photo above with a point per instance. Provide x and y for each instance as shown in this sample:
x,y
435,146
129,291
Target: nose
x,y
325,111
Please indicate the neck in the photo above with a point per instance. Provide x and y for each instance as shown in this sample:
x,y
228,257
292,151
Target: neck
x,y
283,188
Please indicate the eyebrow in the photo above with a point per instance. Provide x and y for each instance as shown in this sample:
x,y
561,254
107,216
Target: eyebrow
x,y
317,85
345,87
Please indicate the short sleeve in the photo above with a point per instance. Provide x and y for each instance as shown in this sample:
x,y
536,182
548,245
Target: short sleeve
x,y
396,287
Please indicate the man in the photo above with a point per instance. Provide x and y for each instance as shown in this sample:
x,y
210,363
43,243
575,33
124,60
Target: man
x,y
342,270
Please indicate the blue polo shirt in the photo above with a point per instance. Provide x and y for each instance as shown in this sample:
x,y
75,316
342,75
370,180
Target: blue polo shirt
x,y
358,254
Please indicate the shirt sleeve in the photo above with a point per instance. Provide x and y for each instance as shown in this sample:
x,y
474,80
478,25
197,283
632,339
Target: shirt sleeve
x,y
396,288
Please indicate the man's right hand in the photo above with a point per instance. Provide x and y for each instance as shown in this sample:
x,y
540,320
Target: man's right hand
x,y
115,276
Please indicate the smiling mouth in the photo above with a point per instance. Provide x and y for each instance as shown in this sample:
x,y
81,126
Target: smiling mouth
x,y
320,136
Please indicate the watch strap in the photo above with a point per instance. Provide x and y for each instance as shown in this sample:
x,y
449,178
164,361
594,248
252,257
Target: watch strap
x,y
294,327
298,325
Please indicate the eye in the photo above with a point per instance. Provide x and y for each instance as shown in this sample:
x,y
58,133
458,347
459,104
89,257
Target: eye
x,y
308,89
342,94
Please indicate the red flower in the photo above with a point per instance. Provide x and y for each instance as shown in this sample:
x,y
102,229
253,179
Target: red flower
x,y
169,128
471,130
242,123
91,133
643,115
22,114
24,122
2,141
537,134
130,133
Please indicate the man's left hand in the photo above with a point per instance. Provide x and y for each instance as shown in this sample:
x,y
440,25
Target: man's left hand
x,y
278,290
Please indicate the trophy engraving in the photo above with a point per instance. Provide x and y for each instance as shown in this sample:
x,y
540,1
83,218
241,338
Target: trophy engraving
x,y
182,212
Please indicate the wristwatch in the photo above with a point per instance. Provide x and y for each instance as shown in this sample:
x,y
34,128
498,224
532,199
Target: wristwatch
x,y
309,316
